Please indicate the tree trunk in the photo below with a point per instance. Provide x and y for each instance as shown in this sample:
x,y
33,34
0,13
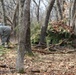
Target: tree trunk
x,y
70,12
24,33
44,27
28,42
38,8
74,9
59,9
74,16
63,9
15,20
3,8
57,17
21,47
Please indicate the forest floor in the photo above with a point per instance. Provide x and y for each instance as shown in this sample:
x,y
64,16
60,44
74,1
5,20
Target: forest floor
x,y
44,62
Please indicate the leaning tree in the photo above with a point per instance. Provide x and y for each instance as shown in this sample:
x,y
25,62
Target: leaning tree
x,y
44,27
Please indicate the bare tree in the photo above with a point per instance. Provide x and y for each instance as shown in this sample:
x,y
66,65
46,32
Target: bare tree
x,y
38,8
24,33
59,9
44,27
74,16
15,19
3,8
70,13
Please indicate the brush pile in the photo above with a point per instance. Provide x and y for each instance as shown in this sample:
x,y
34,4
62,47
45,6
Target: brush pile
x,y
60,27
59,31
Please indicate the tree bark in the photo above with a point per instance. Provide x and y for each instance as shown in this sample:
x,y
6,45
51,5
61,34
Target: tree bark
x,y
24,33
15,20
38,8
21,47
74,16
59,9
70,7
4,15
57,18
44,27
27,27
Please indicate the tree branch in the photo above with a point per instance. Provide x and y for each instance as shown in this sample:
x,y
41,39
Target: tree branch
x,y
35,3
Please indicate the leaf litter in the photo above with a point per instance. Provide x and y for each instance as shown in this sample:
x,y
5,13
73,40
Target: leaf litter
x,y
40,64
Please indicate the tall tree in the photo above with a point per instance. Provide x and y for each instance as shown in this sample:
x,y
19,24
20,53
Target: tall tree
x,y
24,33
74,15
44,27
3,9
38,8
59,9
15,19
70,8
